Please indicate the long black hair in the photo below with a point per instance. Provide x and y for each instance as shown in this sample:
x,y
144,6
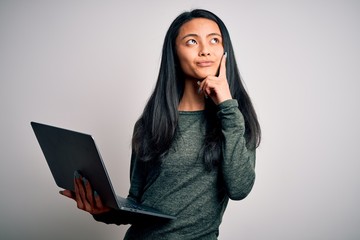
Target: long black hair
x,y
156,128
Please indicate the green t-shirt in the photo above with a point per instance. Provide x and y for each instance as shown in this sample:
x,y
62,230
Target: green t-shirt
x,y
182,186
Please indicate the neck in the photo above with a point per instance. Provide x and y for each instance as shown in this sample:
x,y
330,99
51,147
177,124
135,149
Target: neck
x,y
191,99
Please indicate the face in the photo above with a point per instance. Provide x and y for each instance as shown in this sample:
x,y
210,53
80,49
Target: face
x,y
199,47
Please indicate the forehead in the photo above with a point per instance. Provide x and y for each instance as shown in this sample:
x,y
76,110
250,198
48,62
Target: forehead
x,y
199,26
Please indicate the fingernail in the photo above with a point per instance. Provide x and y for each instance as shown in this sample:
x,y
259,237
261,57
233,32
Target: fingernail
x,y
199,90
84,180
96,194
77,174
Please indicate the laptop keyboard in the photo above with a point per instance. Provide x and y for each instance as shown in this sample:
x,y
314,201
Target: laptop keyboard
x,y
134,206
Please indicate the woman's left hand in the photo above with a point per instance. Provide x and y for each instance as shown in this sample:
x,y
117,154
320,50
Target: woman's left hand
x,y
216,87
86,199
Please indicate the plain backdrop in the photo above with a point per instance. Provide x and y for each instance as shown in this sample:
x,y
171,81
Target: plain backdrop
x,y
90,66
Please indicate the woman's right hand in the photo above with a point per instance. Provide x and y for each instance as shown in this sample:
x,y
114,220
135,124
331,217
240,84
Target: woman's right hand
x,y
86,199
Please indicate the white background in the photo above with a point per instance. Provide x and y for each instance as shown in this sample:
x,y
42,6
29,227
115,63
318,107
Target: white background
x,y
91,65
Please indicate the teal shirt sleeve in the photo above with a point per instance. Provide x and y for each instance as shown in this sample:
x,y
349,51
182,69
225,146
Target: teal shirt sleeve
x,y
238,164
137,179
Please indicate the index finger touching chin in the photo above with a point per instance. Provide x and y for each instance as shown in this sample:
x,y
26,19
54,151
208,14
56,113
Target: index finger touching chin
x,y
222,71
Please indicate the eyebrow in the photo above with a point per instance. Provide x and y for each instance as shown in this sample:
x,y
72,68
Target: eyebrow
x,y
196,35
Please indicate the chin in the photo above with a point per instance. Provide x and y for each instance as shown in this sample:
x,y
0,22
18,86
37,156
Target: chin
x,y
204,74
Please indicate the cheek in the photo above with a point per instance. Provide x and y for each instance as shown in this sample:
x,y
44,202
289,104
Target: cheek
x,y
185,64
220,52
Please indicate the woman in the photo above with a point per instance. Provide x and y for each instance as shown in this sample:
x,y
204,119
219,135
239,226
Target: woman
x,y
194,144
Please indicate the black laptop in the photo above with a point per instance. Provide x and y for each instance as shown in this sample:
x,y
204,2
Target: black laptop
x,y
68,151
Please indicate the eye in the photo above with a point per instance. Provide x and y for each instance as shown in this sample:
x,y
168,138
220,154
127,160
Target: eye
x,y
215,40
191,42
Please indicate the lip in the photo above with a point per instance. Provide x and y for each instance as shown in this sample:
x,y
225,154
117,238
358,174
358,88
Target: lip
x,y
204,63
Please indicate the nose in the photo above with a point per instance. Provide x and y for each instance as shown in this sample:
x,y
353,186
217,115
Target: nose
x,y
204,51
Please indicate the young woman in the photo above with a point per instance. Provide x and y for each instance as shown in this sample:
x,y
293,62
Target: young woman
x,y
193,147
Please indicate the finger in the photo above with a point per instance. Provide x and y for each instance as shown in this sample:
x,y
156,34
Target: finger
x,y
89,193
68,193
201,85
99,204
222,70
79,191
77,194
208,84
204,86
83,185
210,90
